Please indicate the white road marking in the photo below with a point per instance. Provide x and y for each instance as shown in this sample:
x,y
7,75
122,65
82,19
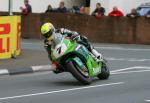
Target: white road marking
x,y
147,100
4,71
42,68
120,48
127,59
59,91
140,71
130,68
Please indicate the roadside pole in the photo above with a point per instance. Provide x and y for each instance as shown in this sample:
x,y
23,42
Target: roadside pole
x,y
10,7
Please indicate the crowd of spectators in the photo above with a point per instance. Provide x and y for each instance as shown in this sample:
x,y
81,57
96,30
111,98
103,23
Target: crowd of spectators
x,y
116,12
98,12
61,8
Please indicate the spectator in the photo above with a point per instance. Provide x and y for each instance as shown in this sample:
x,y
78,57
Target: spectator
x,y
76,9
62,7
148,14
26,9
82,10
49,9
133,14
116,12
99,11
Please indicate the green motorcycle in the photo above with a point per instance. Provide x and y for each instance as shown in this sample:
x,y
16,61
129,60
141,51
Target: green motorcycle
x,y
73,57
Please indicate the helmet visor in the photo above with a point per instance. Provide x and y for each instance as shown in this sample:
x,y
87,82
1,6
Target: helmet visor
x,y
48,34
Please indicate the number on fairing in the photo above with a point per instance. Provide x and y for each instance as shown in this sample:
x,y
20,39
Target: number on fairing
x,y
60,50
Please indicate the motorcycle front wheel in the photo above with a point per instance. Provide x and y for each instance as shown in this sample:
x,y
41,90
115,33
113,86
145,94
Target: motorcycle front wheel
x,y
76,71
105,73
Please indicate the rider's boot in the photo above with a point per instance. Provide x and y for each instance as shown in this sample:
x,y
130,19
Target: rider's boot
x,y
97,55
58,70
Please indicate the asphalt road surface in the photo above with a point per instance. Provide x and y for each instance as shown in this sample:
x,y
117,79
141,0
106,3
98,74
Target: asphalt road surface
x,y
129,81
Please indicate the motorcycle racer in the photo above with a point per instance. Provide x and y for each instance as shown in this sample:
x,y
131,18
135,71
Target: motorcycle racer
x,y
52,36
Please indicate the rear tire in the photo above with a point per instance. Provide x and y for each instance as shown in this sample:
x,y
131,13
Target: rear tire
x,y
77,74
105,73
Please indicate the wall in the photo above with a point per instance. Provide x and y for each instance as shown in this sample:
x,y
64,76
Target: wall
x,y
104,30
143,31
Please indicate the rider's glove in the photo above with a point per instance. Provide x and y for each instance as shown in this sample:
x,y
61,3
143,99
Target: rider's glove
x,y
84,39
75,37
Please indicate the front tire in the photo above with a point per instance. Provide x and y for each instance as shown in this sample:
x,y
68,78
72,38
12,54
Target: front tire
x,y
71,66
105,73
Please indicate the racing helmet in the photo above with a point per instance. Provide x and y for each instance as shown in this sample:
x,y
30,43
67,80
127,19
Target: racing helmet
x,y
47,30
